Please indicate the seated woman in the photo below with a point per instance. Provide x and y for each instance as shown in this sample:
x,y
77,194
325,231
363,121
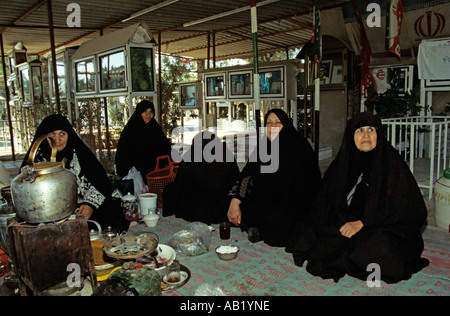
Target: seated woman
x,y
94,187
368,211
273,206
199,192
141,142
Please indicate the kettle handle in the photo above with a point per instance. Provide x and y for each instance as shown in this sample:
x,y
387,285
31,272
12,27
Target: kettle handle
x,y
98,227
36,146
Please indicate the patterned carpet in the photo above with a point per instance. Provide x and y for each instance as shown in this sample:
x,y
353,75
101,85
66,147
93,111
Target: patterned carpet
x,y
261,270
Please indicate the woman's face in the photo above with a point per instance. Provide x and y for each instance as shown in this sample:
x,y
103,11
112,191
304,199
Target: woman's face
x,y
147,115
366,138
60,137
273,121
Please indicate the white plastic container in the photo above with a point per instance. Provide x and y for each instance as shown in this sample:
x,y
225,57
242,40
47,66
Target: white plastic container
x,y
442,201
151,220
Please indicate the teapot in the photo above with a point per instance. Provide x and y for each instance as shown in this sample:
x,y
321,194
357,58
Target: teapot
x,y
95,235
130,207
99,235
46,191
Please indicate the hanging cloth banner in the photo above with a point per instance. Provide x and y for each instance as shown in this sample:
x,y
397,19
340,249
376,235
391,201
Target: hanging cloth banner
x,y
366,52
394,18
433,60
425,19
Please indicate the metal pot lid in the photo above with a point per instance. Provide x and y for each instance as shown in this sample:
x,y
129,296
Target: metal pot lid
x,y
129,197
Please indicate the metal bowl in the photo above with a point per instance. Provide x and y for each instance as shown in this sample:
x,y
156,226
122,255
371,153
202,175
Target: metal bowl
x,y
227,252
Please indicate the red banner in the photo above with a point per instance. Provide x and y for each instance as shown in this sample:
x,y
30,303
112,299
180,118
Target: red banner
x,y
366,52
393,26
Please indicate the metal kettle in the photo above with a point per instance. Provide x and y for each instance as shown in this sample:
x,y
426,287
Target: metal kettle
x,y
46,191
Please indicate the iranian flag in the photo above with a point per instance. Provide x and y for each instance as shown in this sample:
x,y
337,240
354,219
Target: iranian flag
x,y
394,18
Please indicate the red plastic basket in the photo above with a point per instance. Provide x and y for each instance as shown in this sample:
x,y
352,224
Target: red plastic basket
x,y
159,178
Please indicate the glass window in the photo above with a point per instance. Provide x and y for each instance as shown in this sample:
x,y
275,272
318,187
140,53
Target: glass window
x,y
85,76
271,83
187,96
142,69
241,84
21,57
215,86
60,69
112,74
36,76
25,85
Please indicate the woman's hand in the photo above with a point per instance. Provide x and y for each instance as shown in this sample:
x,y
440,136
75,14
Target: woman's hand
x,y
351,228
234,212
85,210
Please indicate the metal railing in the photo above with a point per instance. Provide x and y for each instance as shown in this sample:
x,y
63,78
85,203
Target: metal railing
x,y
423,142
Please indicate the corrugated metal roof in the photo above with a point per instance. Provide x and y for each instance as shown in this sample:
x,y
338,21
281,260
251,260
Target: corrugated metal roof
x,y
282,24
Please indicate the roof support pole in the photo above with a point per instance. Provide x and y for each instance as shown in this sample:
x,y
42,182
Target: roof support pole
x,y
254,21
159,78
7,98
209,50
214,49
52,43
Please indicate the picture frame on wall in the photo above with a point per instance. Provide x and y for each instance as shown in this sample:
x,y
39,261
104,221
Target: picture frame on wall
x,y
188,96
336,76
325,71
215,86
241,84
271,82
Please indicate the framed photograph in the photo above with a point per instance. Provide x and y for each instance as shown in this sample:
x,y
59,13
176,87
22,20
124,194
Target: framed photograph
x,y
188,96
241,85
325,71
215,86
336,76
271,82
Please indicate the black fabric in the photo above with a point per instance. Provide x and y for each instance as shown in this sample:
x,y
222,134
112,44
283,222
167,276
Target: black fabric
x,y
140,143
387,201
199,192
92,173
278,203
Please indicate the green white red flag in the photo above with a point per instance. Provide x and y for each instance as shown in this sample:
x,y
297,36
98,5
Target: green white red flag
x,y
394,18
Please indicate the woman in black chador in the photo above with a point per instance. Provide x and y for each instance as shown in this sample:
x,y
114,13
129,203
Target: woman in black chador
x,y
199,192
368,211
273,205
141,142
94,187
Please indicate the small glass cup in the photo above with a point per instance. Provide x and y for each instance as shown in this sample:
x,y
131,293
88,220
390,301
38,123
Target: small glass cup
x,y
224,229
173,272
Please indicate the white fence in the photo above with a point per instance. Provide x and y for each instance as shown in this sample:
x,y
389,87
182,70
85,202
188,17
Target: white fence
x,y
423,141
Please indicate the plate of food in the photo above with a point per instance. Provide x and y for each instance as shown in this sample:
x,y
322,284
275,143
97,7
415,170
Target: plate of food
x,y
130,246
158,259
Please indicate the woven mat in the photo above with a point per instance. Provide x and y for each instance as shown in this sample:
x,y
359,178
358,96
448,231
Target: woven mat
x,y
261,270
